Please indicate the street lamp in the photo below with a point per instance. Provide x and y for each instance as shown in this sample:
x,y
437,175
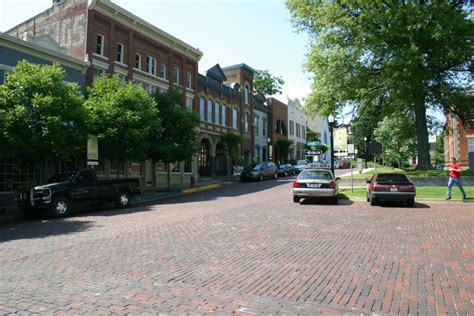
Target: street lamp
x,y
331,134
366,152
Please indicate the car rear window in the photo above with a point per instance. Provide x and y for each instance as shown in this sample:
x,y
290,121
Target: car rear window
x,y
392,178
308,174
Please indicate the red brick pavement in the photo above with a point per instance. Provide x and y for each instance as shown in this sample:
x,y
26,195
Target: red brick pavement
x,y
257,253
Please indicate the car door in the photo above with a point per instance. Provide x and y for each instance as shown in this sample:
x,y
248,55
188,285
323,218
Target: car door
x,y
85,189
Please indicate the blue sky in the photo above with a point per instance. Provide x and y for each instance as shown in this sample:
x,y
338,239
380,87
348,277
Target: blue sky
x,y
228,32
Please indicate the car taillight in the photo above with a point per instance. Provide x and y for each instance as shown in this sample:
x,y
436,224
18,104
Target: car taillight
x,y
296,184
332,184
411,188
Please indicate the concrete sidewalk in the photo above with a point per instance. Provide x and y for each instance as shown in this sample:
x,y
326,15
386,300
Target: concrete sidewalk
x,y
148,195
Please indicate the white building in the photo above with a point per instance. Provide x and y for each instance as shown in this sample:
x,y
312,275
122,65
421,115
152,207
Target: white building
x,y
320,125
260,121
296,129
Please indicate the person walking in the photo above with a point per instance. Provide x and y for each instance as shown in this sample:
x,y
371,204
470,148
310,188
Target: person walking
x,y
455,178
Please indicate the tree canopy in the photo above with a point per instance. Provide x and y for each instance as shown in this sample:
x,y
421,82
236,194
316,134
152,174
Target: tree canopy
x,y
266,83
122,115
409,55
40,115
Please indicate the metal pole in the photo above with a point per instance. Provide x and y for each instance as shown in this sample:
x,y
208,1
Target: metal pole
x,y
352,178
332,151
375,165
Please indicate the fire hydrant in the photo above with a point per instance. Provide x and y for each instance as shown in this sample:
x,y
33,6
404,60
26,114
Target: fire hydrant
x,y
193,181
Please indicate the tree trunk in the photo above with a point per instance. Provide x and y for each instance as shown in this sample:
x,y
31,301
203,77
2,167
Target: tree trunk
x,y
168,176
423,147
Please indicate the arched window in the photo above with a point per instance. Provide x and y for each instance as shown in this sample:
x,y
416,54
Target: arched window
x,y
246,121
246,94
224,115
235,118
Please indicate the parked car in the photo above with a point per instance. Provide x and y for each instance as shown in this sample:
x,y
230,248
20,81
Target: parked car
x,y
341,164
315,183
300,165
286,169
439,166
76,187
259,171
391,187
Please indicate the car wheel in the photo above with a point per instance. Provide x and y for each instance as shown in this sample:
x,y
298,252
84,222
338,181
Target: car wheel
x,y
260,178
123,199
368,198
60,207
334,200
296,199
411,202
373,201
286,173
275,175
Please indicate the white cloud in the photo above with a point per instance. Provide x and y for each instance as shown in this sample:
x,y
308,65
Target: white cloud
x,y
293,90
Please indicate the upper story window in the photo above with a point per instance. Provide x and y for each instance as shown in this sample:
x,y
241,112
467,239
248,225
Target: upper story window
x,y
224,115
246,121
120,52
100,44
264,127
246,94
138,61
235,118
151,65
292,128
202,108
97,72
189,103
256,119
303,131
189,80
217,112
163,71
209,111
176,75
297,130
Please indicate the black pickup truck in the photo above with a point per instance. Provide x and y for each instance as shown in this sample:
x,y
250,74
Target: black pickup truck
x,y
76,187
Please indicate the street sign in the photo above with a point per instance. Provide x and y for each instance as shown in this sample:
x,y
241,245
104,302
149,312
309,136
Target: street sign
x,y
350,148
314,143
313,152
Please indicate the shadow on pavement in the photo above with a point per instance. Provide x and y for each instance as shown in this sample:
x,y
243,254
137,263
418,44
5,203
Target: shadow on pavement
x,y
401,204
323,201
41,229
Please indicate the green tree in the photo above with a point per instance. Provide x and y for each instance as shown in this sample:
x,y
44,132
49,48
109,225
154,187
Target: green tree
x,y
267,84
364,125
416,55
40,115
397,139
122,115
231,142
175,139
312,136
283,146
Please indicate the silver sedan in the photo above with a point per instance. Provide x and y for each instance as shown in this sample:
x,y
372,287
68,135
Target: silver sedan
x,y
315,183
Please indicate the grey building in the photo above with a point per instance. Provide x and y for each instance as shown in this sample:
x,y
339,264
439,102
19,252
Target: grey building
x,y
260,123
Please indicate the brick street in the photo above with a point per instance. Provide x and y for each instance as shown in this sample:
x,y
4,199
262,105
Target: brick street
x,y
244,249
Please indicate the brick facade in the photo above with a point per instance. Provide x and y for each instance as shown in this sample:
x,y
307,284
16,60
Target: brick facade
x,y
277,124
457,138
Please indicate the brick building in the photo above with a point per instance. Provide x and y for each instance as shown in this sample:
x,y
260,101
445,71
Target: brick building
x,y
116,41
459,140
277,128
220,111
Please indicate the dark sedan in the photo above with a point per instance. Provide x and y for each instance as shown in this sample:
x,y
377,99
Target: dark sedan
x,y
286,169
391,187
259,171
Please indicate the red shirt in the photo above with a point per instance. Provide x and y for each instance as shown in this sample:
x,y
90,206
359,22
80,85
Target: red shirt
x,y
455,174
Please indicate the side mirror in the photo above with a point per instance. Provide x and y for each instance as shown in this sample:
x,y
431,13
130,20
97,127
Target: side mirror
x,y
368,181
338,178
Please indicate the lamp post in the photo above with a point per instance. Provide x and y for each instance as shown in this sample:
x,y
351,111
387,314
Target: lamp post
x,y
331,134
366,153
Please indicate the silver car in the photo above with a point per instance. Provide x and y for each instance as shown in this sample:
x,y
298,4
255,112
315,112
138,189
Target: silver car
x,y
315,183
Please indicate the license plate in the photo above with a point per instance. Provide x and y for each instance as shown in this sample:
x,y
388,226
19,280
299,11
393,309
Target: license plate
x,y
314,185
393,189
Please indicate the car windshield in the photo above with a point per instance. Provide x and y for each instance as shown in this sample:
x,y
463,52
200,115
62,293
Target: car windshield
x,y
282,167
61,177
254,166
392,178
312,174
301,162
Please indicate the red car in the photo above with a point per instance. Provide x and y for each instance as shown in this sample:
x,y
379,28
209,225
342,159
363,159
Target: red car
x,y
391,187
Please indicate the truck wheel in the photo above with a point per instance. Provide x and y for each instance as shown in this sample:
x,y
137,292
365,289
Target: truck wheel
x,y
123,199
60,207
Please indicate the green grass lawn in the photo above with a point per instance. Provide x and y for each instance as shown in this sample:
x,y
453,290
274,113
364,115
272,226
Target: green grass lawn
x,y
431,193
411,173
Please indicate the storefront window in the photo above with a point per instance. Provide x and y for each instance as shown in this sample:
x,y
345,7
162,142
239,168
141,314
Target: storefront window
x,y
134,169
117,168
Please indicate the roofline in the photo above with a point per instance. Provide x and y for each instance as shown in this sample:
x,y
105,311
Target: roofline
x,y
242,65
104,7
68,59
